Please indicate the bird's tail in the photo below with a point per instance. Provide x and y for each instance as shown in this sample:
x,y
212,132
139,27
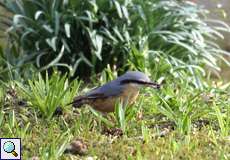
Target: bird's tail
x,y
79,101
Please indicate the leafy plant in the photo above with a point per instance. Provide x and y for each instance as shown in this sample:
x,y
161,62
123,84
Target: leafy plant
x,y
101,118
180,36
120,115
72,34
223,119
54,151
180,111
48,94
86,36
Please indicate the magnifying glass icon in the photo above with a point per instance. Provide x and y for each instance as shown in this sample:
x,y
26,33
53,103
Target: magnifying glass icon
x,y
9,147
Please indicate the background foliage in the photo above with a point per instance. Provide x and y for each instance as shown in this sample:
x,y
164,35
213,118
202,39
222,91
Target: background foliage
x,y
85,36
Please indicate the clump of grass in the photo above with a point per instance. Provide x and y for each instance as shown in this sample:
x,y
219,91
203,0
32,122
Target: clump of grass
x,y
49,93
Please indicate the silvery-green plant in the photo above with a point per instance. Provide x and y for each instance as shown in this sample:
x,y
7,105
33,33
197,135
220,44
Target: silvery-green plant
x,y
86,36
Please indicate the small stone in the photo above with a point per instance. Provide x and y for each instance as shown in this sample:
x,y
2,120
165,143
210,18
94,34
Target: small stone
x,y
77,147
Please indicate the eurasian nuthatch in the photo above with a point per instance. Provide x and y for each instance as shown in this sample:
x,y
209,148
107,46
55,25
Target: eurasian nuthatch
x,y
125,88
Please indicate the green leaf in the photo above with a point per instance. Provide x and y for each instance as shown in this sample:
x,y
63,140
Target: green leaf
x,y
52,43
118,7
38,14
56,60
67,30
98,45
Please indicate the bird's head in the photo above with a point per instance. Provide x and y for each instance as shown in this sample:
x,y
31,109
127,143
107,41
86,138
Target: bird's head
x,y
137,79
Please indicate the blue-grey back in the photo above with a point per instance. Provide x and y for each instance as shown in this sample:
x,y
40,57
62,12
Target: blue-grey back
x,y
115,87
112,88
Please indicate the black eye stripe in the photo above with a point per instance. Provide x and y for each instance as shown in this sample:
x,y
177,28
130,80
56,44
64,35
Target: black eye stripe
x,y
126,81
153,84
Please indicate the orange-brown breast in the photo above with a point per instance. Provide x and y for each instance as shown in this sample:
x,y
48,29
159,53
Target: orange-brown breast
x,y
129,94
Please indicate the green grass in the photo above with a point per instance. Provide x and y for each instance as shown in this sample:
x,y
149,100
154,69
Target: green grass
x,y
177,122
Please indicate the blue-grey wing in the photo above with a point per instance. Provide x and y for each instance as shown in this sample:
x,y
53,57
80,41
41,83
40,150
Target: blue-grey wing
x,y
112,88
